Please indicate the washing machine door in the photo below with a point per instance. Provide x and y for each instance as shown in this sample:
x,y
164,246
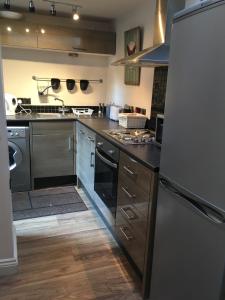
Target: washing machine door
x,y
15,156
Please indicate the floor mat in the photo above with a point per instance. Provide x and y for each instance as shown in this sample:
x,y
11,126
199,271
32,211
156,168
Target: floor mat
x,y
46,202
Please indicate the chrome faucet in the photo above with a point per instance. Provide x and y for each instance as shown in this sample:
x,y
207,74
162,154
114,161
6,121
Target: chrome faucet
x,y
62,109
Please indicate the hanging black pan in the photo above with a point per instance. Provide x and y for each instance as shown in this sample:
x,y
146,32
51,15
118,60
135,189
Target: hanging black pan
x,y
70,84
84,84
55,83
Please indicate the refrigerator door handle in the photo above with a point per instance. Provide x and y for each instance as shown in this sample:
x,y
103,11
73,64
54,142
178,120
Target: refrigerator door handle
x,y
207,211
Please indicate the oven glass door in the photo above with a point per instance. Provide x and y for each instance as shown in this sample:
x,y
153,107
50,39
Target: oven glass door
x,y
106,177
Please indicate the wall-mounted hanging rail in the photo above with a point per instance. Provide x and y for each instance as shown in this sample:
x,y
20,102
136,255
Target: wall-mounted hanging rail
x,y
64,80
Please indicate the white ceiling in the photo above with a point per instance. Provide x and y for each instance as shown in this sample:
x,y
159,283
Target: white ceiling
x,y
111,9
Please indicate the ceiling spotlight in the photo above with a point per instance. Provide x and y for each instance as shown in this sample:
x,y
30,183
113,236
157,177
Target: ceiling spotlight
x,y
31,6
9,29
7,4
76,16
42,31
53,9
27,30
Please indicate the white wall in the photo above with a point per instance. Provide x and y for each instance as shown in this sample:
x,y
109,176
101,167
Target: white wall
x,y
117,91
20,65
7,250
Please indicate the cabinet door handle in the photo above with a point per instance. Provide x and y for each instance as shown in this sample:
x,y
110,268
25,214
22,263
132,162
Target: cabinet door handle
x,y
69,143
92,161
129,171
131,216
79,49
127,193
127,236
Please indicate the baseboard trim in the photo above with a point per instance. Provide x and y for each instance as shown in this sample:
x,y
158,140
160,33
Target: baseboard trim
x,y
8,266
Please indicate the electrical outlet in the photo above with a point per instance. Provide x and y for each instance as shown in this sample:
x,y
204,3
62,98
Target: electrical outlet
x,y
26,101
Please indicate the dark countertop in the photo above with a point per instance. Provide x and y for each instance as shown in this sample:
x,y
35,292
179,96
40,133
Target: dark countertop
x,y
148,155
40,117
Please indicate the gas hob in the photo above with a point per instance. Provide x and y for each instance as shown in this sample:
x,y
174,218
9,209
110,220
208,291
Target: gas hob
x,y
131,136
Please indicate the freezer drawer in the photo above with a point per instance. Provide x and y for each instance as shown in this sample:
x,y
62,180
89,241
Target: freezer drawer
x,y
189,251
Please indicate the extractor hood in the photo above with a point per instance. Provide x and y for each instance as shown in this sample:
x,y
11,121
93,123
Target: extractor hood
x,y
158,55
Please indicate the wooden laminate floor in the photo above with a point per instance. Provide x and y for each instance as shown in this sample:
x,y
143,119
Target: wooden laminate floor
x,y
70,256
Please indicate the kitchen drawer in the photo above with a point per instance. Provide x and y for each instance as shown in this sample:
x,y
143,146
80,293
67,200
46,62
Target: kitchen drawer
x,y
132,242
134,193
135,212
39,128
139,175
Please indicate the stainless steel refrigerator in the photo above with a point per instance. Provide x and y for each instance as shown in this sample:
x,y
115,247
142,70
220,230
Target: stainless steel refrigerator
x,y
189,247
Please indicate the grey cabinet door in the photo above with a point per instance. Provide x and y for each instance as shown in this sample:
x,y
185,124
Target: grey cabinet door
x,y
77,40
52,155
52,149
18,34
85,156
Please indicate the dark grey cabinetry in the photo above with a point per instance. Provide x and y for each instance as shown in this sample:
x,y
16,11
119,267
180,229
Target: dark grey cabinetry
x,y
133,207
77,40
85,156
15,34
52,149
23,34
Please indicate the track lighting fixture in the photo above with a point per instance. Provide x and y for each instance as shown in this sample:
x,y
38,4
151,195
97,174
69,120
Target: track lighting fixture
x,y
31,6
53,9
76,16
7,4
75,8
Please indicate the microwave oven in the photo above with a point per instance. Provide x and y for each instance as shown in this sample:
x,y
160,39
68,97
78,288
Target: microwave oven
x,y
159,129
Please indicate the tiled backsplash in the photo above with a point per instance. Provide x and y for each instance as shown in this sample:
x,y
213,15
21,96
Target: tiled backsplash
x,y
159,90
51,108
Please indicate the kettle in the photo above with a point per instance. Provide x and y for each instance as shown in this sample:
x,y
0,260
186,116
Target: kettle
x,y
10,104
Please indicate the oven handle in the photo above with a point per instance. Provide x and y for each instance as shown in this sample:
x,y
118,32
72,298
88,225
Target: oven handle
x,y
105,160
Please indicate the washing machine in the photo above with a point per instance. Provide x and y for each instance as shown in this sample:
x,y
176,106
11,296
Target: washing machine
x,y
19,158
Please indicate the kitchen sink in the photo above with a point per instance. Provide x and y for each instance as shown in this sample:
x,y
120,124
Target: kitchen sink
x,y
49,115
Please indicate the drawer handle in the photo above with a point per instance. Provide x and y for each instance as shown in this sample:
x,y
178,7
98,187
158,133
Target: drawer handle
x,y
133,160
128,236
91,139
129,171
127,193
131,216
81,131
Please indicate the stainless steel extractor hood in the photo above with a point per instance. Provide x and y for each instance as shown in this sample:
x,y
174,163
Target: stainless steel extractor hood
x,y
158,55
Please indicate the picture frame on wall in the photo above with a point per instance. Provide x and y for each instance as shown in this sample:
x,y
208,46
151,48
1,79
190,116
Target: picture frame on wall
x,y
132,39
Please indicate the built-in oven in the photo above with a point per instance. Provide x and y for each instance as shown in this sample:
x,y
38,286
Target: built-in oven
x,y
106,173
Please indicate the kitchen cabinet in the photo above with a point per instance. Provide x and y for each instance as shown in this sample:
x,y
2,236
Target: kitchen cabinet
x,y
18,34
135,184
56,38
52,149
77,40
85,156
